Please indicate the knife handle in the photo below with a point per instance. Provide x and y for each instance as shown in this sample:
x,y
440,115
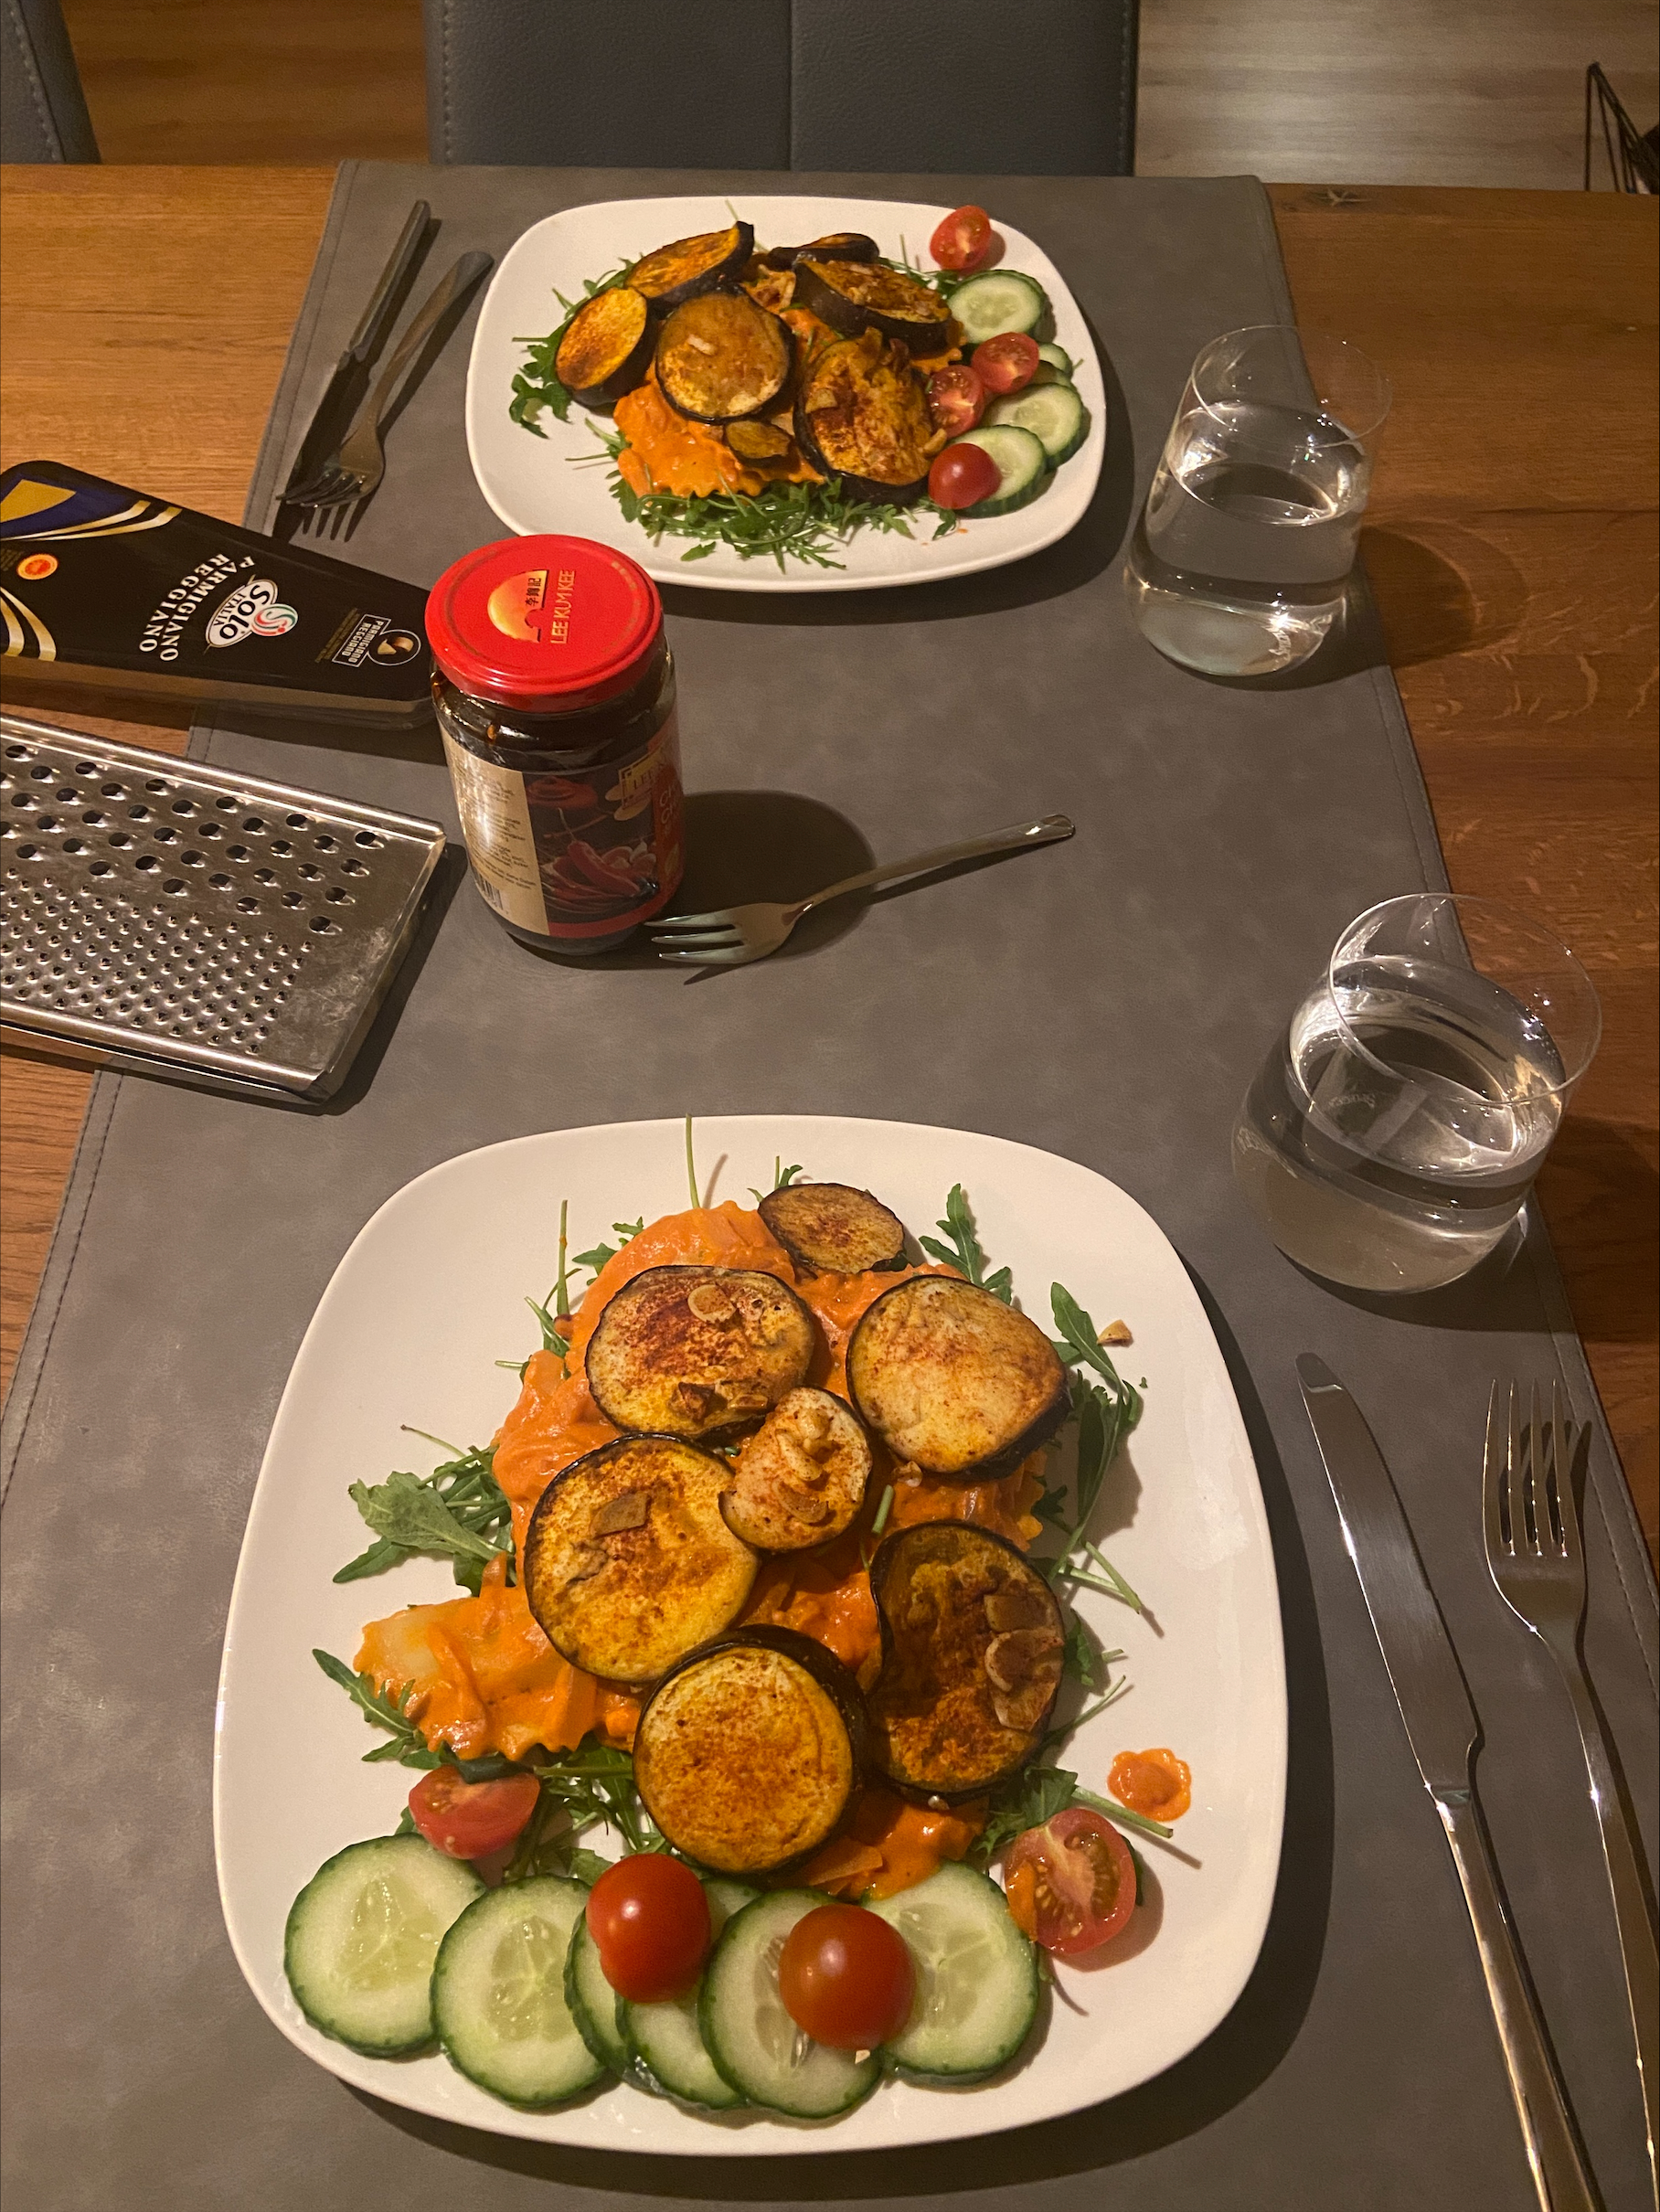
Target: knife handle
x,y
1560,2177
366,339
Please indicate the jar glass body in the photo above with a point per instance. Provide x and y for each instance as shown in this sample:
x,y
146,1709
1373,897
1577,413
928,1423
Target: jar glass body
x,y
573,821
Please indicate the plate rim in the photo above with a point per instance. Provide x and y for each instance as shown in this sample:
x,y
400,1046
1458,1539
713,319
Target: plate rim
x,y
359,2071
665,571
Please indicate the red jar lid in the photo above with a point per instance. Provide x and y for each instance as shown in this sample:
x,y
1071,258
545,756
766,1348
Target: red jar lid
x,y
547,624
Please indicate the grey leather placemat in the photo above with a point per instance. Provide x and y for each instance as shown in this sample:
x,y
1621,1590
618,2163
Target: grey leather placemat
x,y
1107,999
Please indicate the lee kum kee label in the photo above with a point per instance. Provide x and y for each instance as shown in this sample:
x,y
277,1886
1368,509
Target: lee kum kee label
x,y
109,589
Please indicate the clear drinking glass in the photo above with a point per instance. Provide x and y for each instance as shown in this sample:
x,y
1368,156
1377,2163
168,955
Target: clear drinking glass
x,y
1394,1131
1240,563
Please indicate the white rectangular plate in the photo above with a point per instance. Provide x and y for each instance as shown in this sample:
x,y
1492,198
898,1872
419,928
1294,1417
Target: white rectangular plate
x,y
432,1294
534,484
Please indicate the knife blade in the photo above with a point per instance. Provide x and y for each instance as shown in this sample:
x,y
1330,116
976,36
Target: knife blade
x,y
1443,1730
343,391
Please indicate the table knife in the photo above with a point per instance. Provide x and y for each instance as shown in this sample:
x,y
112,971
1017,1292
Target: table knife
x,y
343,392
1442,1730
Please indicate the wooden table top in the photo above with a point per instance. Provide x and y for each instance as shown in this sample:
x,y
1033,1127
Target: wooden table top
x,y
1510,541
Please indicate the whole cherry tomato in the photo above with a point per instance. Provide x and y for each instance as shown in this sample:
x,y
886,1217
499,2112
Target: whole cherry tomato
x,y
957,398
1007,364
1071,1882
471,1819
962,476
963,240
846,1978
650,1920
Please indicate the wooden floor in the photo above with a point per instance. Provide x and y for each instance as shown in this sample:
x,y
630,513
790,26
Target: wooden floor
x,y
1344,91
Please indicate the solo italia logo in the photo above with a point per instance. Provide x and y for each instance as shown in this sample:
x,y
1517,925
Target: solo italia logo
x,y
252,610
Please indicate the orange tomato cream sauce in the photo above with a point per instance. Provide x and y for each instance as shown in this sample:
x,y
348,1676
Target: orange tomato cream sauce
x,y
477,1673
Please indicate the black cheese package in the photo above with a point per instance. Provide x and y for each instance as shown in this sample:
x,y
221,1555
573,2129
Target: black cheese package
x,y
107,589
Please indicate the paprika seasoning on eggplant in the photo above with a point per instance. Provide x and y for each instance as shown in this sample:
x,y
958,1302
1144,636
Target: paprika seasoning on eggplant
x,y
555,692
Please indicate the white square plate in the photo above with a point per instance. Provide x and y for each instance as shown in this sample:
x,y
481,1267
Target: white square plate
x,y
534,485
432,1294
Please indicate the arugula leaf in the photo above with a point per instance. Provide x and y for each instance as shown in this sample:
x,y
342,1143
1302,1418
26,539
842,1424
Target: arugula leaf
x,y
1035,1795
603,1254
595,1783
783,1177
457,1511
587,1866
407,1745
965,1251
1082,1662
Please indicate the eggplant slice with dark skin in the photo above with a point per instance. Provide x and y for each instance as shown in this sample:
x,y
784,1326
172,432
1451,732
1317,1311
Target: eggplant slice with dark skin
x,y
954,1380
836,245
628,1562
757,443
747,1755
720,357
863,416
973,1641
834,1229
688,266
800,1479
606,348
698,1351
852,296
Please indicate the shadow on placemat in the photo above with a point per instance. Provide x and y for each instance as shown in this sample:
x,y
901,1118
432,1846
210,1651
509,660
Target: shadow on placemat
x,y
1225,2070
1072,561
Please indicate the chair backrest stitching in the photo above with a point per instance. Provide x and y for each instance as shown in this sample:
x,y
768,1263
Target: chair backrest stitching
x,y
43,106
448,109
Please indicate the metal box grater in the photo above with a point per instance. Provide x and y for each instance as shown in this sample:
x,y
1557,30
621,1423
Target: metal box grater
x,y
178,920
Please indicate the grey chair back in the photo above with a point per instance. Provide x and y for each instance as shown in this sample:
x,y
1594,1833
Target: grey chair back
x,y
1043,88
43,114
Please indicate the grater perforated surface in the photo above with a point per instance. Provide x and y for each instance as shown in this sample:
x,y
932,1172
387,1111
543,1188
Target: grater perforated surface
x,y
209,923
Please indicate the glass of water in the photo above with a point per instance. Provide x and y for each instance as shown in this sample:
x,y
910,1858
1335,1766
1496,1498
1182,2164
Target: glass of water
x,y
1391,1136
1242,557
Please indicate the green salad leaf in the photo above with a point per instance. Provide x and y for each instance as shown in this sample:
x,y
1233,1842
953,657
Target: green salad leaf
x,y
457,1511
965,1251
1035,1795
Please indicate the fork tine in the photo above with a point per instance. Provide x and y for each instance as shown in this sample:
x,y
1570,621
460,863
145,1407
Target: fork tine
x,y
721,956
1514,1476
1494,1483
1567,1505
1539,1505
714,935
695,922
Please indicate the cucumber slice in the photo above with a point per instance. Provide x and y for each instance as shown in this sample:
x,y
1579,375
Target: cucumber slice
x,y
751,2038
1054,365
361,1936
999,301
1054,414
976,1977
665,2039
498,1993
1022,464
595,2005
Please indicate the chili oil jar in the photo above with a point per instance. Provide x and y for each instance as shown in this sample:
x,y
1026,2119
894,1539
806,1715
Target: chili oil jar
x,y
555,692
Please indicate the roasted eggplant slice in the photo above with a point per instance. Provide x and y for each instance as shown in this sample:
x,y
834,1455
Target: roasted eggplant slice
x,y
836,246
627,1563
832,1228
759,442
852,295
952,1380
697,1351
862,416
690,265
800,1479
971,1647
606,349
720,357
746,1756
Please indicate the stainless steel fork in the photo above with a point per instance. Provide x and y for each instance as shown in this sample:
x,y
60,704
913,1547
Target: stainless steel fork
x,y
732,936
1536,1559
355,470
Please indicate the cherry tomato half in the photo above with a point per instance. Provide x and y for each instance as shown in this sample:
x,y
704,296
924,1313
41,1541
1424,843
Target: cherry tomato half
x,y
471,1819
650,1919
963,240
1075,1877
1007,364
962,476
846,1978
957,398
